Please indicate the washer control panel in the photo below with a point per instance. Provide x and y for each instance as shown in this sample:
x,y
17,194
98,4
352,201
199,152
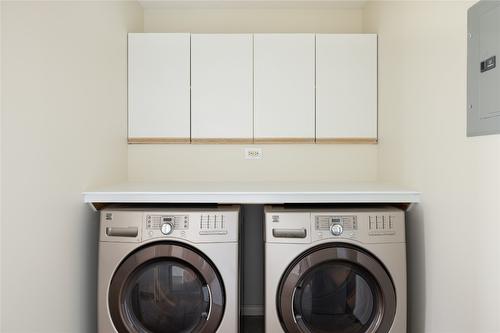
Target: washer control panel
x,y
209,225
176,222
381,225
217,224
212,224
164,224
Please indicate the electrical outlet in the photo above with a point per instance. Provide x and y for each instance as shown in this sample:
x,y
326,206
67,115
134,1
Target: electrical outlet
x,y
253,153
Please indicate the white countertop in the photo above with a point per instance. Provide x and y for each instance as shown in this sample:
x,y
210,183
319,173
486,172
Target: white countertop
x,y
251,193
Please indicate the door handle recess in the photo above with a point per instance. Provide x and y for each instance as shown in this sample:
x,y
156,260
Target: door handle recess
x,y
290,233
122,231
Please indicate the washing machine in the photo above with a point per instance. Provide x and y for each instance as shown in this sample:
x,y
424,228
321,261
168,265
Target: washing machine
x,y
335,270
168,270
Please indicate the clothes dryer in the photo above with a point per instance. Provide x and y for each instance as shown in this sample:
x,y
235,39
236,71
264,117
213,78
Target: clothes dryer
x,y
335,270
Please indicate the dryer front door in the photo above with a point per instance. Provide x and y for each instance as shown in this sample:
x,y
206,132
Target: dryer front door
x,y
166,287
336,289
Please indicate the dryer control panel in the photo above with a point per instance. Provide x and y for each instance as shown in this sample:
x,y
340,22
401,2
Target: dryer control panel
x,y
366,225
327,221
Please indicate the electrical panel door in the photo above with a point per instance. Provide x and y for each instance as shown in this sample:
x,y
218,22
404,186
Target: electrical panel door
x,y
483,77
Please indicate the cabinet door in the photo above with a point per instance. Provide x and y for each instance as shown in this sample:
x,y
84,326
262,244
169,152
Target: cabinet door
x,y
221,88
346,88
284,87
158,87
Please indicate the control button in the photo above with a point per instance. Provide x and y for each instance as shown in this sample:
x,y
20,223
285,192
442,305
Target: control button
x,y
336,229
166,228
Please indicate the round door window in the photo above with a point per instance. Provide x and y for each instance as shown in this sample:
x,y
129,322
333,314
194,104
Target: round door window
x,y
336,297
166,296
336,288
166,288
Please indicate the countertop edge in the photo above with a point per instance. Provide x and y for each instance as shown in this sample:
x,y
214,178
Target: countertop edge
x,y
254,197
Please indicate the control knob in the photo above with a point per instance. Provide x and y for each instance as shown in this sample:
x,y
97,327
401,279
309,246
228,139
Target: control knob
x,y
336,229
166,228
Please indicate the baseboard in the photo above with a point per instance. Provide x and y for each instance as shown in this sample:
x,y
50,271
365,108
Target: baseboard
x,y
252,310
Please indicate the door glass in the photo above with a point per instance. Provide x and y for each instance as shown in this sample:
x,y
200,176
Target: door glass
x,y
166,296
336,297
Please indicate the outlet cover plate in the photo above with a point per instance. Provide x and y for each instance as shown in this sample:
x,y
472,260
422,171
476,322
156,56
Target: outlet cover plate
x,y
253,153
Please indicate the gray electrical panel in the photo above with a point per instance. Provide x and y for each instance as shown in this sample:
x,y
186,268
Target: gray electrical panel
x,y
483,68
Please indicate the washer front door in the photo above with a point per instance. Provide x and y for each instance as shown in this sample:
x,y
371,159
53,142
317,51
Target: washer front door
x,y
336,289
166,287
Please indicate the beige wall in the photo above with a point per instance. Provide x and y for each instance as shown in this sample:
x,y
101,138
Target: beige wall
x,y
240,18
454,252
226,162
63,130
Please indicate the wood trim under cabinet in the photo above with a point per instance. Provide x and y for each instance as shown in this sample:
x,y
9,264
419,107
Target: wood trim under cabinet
x,y
283,140
347,141
157,140
234,141
145,140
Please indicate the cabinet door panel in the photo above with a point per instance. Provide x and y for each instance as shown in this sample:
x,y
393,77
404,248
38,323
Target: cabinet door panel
x,y
221,87
346,87
284,87
158,87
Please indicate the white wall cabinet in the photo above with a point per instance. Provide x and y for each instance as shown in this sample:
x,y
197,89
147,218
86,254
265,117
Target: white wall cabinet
x,y
263,88
346,88
284,87
221,88
158,87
